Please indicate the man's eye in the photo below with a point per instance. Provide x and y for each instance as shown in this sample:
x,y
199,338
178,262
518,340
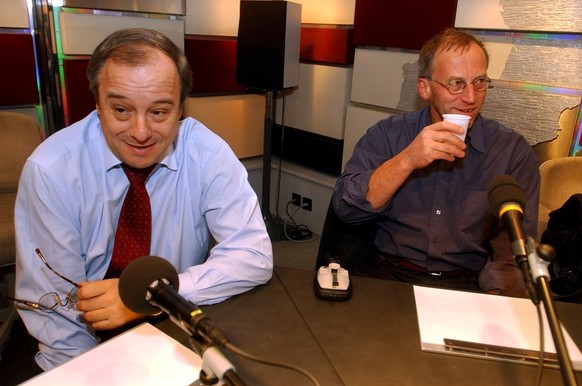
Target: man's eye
x,y
158,114
456,83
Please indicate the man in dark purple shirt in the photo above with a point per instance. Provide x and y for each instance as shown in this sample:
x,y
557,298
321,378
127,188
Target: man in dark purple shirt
x,y
427,189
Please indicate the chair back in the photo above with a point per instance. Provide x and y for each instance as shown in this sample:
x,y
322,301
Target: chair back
x,y
19,136
350,245
560,178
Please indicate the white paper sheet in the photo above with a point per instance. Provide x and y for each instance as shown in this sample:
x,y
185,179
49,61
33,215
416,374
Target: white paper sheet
x,y
485,319
142,356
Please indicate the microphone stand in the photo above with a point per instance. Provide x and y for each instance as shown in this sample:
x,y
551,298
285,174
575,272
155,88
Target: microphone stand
x,y
215,366
539,257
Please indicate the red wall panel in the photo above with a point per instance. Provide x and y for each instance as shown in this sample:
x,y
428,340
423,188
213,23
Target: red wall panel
x,y
213,59
327,45
79,99
18,85
401,23
213,63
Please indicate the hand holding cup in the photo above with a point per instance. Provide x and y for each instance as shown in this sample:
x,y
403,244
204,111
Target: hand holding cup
x,y
460,120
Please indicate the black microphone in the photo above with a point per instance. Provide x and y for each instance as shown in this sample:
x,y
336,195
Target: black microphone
x,y
150,283
506,201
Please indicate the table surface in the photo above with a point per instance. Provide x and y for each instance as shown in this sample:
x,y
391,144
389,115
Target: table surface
x,y
371,339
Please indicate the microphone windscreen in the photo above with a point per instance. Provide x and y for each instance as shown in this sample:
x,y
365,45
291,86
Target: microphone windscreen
x,y
136,278
504,189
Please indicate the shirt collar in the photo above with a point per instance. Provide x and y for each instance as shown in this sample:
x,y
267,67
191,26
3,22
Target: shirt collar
x,y
169,160
476,135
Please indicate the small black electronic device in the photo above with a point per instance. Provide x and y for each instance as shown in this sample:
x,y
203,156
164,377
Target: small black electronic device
x,y
332,282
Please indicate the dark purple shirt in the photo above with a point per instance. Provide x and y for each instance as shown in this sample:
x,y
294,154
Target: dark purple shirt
x,y
440,217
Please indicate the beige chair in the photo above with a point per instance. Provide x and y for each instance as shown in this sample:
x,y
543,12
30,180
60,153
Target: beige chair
x,y
560,178
19,136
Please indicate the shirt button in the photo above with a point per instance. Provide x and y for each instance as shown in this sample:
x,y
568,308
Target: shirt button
x,y
434,241
442,182
438,212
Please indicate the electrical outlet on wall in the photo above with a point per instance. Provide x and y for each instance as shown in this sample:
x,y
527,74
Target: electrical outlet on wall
x,y
307,204
296,199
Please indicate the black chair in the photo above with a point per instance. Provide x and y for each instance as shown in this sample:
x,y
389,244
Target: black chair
x,y
564,233
350,245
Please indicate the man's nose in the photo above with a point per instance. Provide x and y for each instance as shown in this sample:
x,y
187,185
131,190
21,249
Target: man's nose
x,y
469,94
140,130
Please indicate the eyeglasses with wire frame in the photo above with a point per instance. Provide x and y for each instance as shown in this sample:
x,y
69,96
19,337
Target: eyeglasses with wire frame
x,y
51,300
457,86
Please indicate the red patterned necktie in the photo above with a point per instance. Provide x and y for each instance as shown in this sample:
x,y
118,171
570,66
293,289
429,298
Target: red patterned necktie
x,y
134,228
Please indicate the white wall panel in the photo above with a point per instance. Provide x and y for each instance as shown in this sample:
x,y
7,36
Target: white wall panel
x,y
328,11
520,15
318,104
14,14
484,14
499,49
358,120
212,17
306,183
294,179
220,17
379,76
81,33
535,79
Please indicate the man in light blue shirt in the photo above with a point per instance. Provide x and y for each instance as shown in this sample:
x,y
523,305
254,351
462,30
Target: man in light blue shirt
x,y
73,186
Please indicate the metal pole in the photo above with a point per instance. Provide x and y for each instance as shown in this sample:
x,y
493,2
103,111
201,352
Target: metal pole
x,y
270,116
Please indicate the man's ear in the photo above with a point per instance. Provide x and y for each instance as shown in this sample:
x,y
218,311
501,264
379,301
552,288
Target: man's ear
x,y
423,88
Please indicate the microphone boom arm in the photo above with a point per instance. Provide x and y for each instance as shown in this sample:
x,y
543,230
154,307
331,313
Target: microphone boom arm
x,y
214,365
202,333
538,259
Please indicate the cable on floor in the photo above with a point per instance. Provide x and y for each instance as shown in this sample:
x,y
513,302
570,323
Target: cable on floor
x,y
293,231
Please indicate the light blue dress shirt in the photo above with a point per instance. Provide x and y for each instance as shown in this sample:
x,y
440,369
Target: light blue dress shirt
x,y
69,199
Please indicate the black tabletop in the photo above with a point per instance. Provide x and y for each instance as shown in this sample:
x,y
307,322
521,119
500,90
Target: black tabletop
x,y
371,339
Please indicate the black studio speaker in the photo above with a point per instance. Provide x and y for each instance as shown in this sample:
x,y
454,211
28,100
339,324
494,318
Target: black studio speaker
x,y
269,34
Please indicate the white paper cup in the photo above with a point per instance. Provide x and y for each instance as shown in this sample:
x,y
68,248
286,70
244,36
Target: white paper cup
x,y
458,119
